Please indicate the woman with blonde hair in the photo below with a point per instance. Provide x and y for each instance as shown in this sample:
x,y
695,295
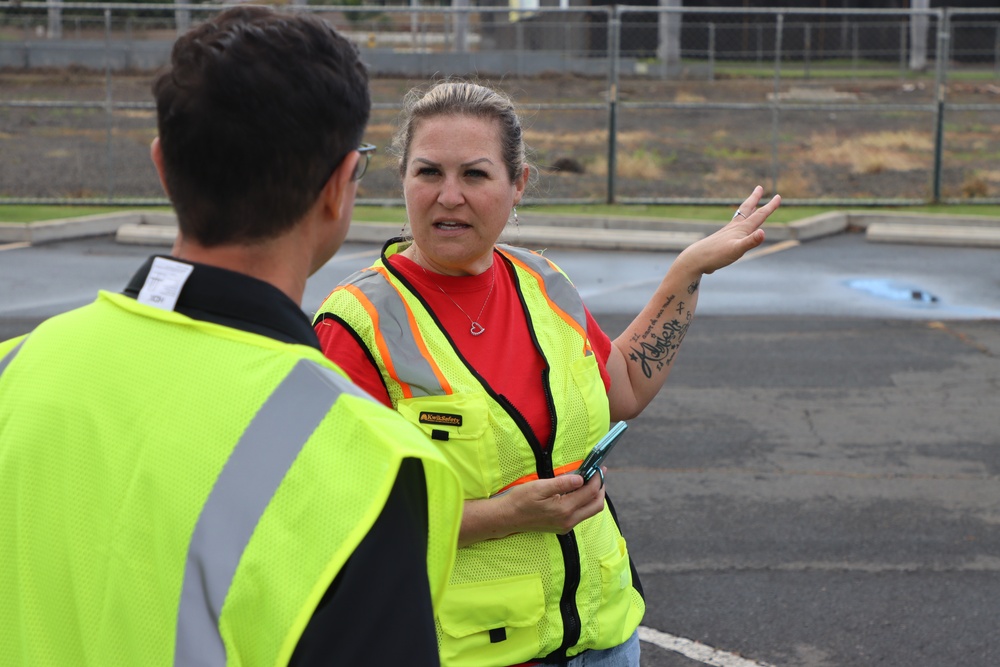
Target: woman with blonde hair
x,y
491,351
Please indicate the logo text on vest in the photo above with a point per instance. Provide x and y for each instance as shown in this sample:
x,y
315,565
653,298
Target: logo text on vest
x,y
440,418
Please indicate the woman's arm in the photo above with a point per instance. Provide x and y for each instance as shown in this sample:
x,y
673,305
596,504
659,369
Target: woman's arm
x,y
642,356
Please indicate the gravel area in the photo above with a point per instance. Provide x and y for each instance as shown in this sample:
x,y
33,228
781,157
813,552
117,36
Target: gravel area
x,y
832,140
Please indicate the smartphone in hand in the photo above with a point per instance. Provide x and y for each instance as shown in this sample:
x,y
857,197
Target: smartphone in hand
x,y
592,463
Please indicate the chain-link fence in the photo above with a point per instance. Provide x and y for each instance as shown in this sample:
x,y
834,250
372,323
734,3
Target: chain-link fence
x,y
620,103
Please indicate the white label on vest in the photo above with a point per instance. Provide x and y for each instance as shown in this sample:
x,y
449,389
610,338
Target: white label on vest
x,y
164,283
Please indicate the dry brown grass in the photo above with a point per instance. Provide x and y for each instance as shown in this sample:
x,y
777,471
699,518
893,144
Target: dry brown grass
x,y
638,164
727,175
687,97
975,185
793,183
540,140
143,114
871,153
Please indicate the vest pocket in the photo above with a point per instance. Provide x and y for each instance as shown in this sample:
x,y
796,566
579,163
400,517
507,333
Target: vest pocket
x,y
459,425
493,622
616,597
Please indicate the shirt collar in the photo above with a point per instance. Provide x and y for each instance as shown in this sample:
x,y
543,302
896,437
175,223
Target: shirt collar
x,y
236,300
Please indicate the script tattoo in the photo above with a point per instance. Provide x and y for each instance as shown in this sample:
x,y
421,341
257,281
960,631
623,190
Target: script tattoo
x,y
657,345
652,323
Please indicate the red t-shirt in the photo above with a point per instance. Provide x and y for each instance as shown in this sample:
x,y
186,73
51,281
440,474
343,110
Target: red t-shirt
x,y
504,354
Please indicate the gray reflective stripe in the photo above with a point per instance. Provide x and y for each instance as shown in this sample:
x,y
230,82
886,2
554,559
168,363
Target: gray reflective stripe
x,y
10,357
242,492
355,278
407,359
558,287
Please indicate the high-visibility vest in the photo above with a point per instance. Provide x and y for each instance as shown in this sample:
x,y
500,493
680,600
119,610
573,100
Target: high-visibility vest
x,y
530,594
176,492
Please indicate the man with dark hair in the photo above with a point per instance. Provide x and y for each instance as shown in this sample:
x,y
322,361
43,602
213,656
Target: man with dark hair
x,y
184,478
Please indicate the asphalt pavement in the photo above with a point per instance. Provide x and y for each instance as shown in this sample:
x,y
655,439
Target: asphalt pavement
x,y
819,483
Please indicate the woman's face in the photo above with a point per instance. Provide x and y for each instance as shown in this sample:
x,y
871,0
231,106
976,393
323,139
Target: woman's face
x,y
458,194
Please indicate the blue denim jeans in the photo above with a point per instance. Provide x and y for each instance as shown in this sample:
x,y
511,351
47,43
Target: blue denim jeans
x,y
623,655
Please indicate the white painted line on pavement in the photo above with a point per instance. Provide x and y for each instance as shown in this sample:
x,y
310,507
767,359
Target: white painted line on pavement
x,y
695,650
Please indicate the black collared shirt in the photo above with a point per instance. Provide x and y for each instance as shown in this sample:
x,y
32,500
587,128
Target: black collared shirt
x,y
378,609
235,300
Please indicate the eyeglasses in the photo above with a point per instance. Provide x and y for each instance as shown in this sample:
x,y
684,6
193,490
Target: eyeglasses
x,y
361,167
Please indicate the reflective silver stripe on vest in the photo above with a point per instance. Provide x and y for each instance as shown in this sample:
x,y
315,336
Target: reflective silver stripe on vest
x,y
242,492
10,357
394,325
558,287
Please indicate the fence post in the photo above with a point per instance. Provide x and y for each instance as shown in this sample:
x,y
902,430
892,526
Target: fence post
x,y
855,51
519,46
461,25
996,52
182,17
776,101
807,46
943,40
760,43
55,20
614,38
711,51
902,50
109,104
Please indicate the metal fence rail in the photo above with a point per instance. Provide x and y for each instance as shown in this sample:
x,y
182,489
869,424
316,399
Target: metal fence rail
x,y
621,103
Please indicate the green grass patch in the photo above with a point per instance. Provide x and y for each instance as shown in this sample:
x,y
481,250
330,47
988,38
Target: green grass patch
x,y
21,214
784,214
397,214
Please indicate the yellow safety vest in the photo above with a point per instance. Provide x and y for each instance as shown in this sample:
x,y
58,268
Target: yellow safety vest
x,y
532,594
176,492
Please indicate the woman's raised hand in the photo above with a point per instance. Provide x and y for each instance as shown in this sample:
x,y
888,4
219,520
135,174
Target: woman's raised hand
x,y
730,243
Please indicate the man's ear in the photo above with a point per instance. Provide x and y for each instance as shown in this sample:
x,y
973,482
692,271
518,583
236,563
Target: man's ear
x,y
339,186
156,154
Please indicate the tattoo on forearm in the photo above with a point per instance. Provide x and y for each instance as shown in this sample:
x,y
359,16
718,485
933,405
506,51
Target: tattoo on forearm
x,y
657,346
693,287
652,323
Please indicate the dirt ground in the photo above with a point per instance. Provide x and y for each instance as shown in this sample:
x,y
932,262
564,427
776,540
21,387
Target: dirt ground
x,y
844,146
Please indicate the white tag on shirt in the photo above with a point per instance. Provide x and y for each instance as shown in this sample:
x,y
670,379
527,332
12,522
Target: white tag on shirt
x,y
164,283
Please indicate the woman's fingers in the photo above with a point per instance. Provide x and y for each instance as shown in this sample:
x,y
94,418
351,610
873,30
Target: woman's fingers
x,y
749,205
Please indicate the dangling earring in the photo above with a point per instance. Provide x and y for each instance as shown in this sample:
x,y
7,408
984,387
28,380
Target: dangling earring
x,y
515,216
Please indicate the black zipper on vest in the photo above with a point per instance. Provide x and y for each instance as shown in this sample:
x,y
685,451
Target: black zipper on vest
x,y
567,543
543,458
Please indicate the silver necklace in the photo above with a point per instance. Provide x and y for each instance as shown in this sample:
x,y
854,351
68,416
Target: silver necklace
x,y
475,328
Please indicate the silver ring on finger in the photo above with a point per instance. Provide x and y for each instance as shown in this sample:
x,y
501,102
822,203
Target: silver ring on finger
x,y
739,213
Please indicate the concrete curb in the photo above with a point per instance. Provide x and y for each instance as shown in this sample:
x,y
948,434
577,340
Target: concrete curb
x,y
982,237
555,231
82,227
